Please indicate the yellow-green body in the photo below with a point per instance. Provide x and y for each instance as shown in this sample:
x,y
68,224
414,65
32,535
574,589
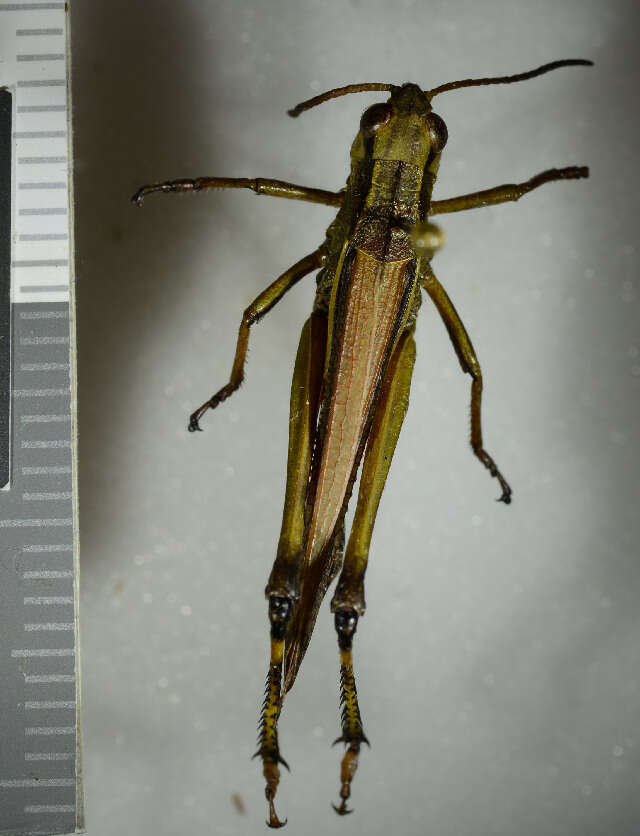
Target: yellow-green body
x,y
352,375
368,292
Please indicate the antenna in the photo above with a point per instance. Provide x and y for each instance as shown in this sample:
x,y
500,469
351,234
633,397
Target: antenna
x,y
507,79
333,94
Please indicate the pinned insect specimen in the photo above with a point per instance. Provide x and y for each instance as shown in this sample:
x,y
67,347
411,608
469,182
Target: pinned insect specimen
x,y
352,374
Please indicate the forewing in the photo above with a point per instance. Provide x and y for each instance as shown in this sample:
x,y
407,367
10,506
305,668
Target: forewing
x,y
369,308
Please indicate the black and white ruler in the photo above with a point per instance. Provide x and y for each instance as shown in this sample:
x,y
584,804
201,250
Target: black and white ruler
x,y
40,774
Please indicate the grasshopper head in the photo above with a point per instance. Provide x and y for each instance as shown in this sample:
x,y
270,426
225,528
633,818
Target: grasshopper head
x,y
402,129
407,113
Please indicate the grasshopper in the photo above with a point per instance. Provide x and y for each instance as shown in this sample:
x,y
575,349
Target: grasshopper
x,y
352,375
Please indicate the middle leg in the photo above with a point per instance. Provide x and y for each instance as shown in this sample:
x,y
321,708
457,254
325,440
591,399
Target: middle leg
x,y
254,313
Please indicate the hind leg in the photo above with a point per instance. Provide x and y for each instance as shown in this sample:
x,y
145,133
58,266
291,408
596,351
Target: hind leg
x,y
348,601
283,587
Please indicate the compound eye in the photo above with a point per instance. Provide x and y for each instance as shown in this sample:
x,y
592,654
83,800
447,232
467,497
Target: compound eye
x,y
374,118
438,133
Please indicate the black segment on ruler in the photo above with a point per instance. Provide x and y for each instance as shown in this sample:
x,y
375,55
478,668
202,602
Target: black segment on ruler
x,y
5,277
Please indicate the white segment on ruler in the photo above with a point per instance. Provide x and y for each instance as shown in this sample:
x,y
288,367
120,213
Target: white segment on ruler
x,y
35,60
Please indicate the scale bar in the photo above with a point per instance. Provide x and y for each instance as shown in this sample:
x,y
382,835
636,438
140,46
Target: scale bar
x,y
49,731
46,185
46,575
51,626
58,56
58,547
31,32
41,160
45,600
40,769
46,678
51,82
35,471
44,288
39,134
44,314
46,496
42,652
29,7
53,523
43,367
40,393
42,108
38,782
45,445
44,340
44,419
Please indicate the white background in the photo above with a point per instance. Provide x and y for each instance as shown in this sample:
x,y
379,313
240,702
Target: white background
x,y
498,660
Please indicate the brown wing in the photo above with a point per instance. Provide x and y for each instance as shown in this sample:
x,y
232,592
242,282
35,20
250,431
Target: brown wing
x,y
368,311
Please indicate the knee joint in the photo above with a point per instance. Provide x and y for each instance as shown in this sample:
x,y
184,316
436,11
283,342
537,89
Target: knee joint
x,y
250,317
280,609
346,623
